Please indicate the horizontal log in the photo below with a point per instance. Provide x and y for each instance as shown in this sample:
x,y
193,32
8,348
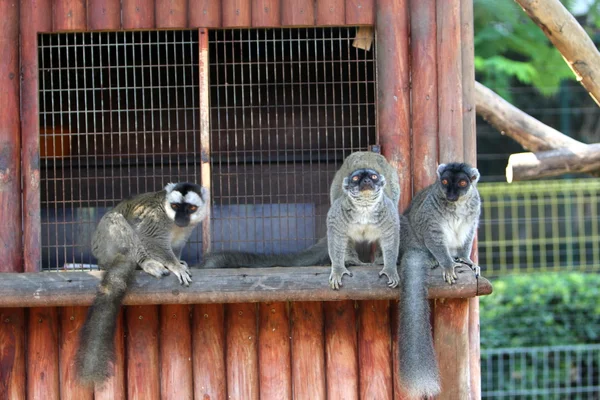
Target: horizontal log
x,y
545,164
224,286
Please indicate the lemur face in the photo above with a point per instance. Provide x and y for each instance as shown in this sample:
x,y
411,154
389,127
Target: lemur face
x,y
456,179
186,203
362,180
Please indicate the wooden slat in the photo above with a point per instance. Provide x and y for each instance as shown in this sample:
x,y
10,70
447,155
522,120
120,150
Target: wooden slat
x,y
138,14
242,357
71,320
69,15
308,350
36,16
399,392
297,13
424,92
265,13
205,171
104,14
12,353
236,13
393,107
452,347
223,286
341,350
374,350
171,13
175,352
274,357
331,12
143,378
360,12
204,13
10,143
42,355
209,352
114,387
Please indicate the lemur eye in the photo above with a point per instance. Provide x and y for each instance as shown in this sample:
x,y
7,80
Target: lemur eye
x,y
462,183
175,206
444,181
355,178
193,208
374,177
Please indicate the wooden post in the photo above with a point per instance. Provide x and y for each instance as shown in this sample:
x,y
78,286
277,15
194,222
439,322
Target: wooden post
x,y
297,13
171,13
69,15
360,12
242,357
104,14
236,13
209,352
12,353
374,350
138,14
71,321
308,350
341,350
274,356
175,350
42,355
205,171
330,12
143,376
114,388
265,13
204,13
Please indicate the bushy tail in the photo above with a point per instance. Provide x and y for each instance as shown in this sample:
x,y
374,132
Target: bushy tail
x,y
96,339
316,254
418,365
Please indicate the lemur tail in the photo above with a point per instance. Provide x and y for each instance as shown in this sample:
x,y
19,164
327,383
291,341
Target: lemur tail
x,y
418,365
96,340
316,254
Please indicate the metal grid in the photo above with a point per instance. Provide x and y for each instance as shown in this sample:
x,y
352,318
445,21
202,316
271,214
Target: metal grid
x,y
540,226
287,106
118,116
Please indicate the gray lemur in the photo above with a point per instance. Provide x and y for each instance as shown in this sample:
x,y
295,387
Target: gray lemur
x,y
148,231
437,230
364,198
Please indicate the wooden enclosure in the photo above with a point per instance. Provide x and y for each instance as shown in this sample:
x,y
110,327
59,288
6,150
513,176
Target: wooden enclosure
x,y
269,334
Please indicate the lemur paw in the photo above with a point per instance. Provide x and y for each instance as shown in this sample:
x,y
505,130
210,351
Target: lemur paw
x,y
392,275
476,268
185,264
182,272
335,278
449,273
154,268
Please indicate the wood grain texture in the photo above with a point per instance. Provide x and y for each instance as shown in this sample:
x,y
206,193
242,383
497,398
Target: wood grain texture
x,y
204,13
36,16
393,89
10,140
308,350
143,376
297,13
330,12
274,353
374,350
114,388
176,379
399,392
242,354
71,320
104,14
12,353
360,12
138,14
341,352
451,340
236,13
42,354
171,13
69,15
205,169
223,286
208,338
265,13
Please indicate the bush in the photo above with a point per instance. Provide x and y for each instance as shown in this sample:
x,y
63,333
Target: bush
x,y
541,310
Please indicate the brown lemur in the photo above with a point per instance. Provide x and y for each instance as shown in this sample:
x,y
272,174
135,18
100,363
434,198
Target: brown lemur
x,y
364,198
149,231
438,229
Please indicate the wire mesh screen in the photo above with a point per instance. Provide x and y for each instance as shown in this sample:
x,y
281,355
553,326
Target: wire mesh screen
x,y
118,116
287,106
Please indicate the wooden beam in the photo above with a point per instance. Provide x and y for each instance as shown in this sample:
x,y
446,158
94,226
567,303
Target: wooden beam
x,y
223,286
565,33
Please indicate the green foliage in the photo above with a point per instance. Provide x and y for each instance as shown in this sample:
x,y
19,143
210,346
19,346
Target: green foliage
x,y
541,310
509,46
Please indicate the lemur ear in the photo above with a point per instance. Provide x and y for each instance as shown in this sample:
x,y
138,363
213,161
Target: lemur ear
x,y
440,169
474,174
345,183
170,186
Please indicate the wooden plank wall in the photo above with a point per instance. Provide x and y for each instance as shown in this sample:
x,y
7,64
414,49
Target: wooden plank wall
x,y
272,350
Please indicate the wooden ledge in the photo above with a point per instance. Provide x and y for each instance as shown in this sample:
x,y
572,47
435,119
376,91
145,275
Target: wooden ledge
x,y
224,286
